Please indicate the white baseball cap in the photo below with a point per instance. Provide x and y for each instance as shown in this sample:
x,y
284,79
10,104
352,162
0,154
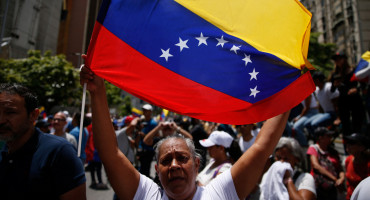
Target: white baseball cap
x,y
217,138
147,107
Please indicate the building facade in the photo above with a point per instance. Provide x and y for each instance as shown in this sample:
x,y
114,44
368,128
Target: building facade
x,y
76,26
345,23
31,24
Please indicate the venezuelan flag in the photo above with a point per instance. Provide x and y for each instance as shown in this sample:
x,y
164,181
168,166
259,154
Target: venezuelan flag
x,y
136,112
163,115
233,62
362,71
43,112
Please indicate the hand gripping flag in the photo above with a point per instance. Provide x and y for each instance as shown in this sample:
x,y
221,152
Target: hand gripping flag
x,y
362,71
226,61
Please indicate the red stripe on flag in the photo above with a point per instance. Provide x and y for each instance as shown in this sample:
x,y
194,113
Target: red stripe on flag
x,y
112,59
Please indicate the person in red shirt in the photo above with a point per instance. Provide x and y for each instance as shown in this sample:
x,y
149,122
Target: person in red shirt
x,y
325,165
358,162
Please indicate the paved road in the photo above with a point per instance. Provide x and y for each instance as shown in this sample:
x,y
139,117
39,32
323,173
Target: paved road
x,y
92,194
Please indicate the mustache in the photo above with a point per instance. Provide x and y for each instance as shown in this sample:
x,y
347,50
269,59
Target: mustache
x,y
4,127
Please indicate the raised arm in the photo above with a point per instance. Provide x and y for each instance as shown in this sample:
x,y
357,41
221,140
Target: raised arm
x,y
248,169
122,175
148,139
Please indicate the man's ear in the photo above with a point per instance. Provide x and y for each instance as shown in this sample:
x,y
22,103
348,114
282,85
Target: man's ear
x,y
34,115
197,163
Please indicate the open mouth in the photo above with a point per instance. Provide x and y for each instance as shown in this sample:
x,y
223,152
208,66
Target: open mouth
x,y
176,179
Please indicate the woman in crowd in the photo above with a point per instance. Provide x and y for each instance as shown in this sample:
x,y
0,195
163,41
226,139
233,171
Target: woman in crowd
x,y
358,162
223,154
177,163
326,165
286,177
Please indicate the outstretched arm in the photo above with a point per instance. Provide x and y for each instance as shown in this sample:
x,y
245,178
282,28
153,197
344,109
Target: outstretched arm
x,y
248,169
122,175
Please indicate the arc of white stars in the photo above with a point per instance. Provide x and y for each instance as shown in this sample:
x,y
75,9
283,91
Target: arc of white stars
x,y
253,74
202,39
235,49
247,59
221,41
182,44
254,91
166,54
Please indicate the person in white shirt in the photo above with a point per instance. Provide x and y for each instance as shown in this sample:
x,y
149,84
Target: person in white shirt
x,y
310,108
177,163
58,122
362,191
219,148
327,99
248,135
285,179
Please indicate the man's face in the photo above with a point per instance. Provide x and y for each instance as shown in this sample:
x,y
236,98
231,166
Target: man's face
x,y
59,121
177,169
147,114
14,119
355,148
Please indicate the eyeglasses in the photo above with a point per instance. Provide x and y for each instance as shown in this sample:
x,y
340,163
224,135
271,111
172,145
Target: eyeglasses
x,y
59,120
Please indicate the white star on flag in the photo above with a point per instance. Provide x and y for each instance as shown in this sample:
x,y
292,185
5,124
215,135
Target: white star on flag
x,y
254,92
235,48
202,39
253,74
247,59
182,44
166,54
221,41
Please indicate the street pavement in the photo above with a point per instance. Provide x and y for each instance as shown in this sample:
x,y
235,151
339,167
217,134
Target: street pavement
x,y
92,194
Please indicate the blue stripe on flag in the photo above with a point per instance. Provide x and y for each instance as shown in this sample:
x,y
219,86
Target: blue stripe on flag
x,y
155,27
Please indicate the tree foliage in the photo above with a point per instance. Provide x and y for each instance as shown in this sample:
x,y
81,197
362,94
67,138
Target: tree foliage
x,y
125,108
115,99
52,78
319,54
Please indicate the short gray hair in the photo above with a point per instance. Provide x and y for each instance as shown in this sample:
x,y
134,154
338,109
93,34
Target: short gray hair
x,y
188,142
294,147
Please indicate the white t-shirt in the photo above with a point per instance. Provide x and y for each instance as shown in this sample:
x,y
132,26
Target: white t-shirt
x,y
305,181
221,188
362,191
70,138
313,103
324,96
207,174
245,145
124,145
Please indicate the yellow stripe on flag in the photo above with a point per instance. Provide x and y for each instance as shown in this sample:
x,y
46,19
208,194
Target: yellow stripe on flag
x,y
137,111
366,56
165,112
281,28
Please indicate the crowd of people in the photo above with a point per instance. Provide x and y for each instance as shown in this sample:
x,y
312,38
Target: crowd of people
x,y
290,156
